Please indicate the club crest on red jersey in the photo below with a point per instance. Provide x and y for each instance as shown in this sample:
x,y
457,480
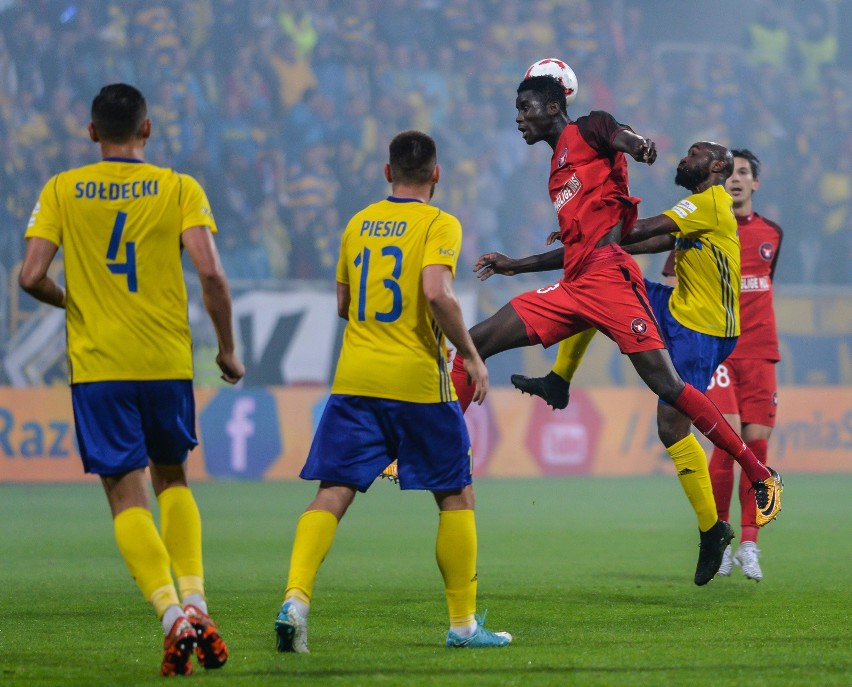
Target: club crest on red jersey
x,y
766,251
563,158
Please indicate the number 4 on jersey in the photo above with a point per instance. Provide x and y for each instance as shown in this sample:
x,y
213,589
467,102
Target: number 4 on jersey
x,y
129,266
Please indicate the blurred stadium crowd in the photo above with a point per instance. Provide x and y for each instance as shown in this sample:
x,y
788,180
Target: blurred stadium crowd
x,y
283,109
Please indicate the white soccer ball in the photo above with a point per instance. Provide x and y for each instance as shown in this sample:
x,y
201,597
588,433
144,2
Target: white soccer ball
x,y
560,71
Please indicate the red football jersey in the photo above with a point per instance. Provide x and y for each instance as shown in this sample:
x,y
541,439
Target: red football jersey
x,y
588,186
760,243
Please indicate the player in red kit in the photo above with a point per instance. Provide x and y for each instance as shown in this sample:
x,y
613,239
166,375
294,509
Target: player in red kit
x,y
601,285
744,386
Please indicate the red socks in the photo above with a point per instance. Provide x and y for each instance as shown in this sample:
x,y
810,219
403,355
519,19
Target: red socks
x,y
749,507
722,478
709,421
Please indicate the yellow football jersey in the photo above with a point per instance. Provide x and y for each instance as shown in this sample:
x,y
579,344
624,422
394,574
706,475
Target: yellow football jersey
x,y
392,348
707,263
119,224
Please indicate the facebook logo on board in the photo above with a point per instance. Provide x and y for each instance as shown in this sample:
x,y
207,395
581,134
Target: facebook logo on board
x,y
240,433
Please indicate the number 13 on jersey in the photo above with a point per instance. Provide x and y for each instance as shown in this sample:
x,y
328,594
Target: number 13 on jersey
x,y
390,263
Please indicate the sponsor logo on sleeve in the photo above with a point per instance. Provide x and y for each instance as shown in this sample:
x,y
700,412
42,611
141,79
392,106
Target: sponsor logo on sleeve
x,y
33,215
684,208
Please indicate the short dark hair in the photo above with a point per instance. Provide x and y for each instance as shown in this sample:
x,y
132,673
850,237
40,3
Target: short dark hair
x,y
412,157
753,162
548,88
118,112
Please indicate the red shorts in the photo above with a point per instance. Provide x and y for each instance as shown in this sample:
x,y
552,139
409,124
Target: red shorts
x,y
608,294
746,388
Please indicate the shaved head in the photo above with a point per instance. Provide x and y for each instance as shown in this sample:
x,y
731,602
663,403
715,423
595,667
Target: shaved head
x,y
720,154
705,163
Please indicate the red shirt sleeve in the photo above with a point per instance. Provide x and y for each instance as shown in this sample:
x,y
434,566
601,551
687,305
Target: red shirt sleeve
x,y
598,128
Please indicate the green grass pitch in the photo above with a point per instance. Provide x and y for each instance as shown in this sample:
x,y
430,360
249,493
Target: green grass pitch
x,y
592,576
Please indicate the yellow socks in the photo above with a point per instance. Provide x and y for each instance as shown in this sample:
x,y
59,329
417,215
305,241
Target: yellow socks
x,y
691,464
146,557
455,550
571,352
180,523
314,536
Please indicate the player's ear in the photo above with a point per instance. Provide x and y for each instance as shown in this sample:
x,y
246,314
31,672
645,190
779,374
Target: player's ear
x,y
388,173
93,134
145,129
436,173
755,185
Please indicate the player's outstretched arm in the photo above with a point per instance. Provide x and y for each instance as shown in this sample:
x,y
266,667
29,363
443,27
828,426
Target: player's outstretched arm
x,y
33,276
638,147
445,308
201,248
496,263
661,226
655,244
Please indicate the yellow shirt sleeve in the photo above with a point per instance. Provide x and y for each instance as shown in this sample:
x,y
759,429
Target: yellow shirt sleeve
x,y
443,244
195,207
45,220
